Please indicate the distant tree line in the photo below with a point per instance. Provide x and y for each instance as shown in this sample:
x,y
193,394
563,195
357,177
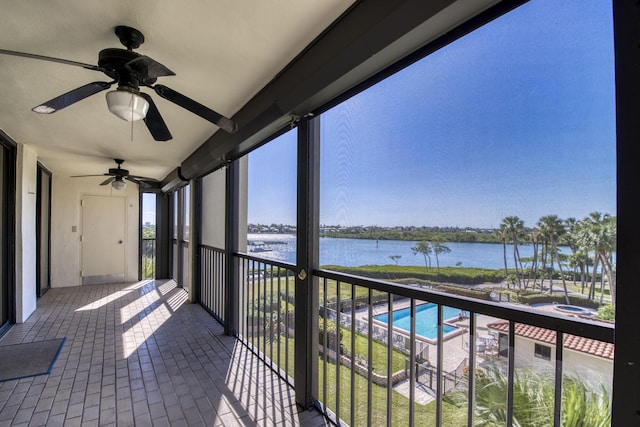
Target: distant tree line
x,y
429,234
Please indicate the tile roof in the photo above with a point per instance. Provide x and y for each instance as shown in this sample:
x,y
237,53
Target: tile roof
x,y
573,342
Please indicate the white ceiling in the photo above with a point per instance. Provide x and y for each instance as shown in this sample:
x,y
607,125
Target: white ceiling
x,y
222,51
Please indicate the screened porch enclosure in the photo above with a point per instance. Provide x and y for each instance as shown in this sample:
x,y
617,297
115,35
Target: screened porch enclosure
x,y
427,217
358,370
420,145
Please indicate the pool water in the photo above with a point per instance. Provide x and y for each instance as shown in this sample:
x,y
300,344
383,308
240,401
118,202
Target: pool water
x,y
574,309
426,319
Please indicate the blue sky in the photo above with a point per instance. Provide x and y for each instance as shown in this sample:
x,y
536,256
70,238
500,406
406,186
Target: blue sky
x,y
512,119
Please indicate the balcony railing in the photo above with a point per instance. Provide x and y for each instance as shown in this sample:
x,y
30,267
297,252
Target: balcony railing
x,y
212,281
382,362
267,311
470,363
148,258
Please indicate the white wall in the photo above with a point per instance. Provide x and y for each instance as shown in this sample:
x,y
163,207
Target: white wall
x,y
243,165
213,209
26,257
66,214
594,370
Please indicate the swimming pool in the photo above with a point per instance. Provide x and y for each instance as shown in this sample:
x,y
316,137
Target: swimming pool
x,y
573,309
426,319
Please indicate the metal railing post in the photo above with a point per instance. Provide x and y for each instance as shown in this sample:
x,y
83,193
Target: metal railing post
x,y
306,289
232,281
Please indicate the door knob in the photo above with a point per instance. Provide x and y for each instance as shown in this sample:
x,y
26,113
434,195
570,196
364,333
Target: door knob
x,y
120,241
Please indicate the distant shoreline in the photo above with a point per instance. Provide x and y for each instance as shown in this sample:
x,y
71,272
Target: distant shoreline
x,y
412,234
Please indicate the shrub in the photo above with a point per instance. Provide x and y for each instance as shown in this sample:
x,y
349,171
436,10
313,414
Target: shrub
x,y
331,333
460,276
538,298
606,312
466,292
533,400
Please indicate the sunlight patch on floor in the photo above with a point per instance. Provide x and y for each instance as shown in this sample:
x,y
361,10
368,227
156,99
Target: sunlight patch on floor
x,y
149,323
136,307
139,284
138,334
166,287
177,300
114,296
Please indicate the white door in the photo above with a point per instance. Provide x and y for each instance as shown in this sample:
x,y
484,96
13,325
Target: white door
x,y
103,239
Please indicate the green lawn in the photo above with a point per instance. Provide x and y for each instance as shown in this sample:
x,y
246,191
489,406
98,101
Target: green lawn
x,y
577,287
379,352
424,414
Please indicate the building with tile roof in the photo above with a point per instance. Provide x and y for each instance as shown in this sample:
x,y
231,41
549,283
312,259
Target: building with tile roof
x,y
535,348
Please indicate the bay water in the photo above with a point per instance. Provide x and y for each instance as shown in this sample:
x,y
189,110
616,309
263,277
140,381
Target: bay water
x,y
356,252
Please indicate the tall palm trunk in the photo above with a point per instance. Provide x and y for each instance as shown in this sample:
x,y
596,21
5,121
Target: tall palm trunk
x,y
602,286
551,269
608,269
545,251
506,271
534,265
515,261
524,279
504,255
554,248
592,289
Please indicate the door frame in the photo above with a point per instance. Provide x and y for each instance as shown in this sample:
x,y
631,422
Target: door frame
x,y
8,190
39,237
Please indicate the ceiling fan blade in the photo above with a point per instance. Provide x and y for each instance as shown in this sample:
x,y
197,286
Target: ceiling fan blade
x,y
148,68
108,180
154,121
196,108
83,176
137,181
50,59
64,100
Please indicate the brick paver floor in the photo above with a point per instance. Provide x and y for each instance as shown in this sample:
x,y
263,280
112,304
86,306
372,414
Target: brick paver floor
x,y
140,354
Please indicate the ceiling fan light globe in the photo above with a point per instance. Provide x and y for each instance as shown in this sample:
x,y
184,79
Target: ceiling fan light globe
x,y
119,184
127,105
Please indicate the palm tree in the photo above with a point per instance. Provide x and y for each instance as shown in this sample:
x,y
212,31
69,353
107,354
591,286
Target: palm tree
x,y
439,248
533,400
423,247
579,258
598,234
515,229
553,229
395,258
535,237
503,234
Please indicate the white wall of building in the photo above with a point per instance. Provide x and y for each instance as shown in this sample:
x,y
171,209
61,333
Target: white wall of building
x,y
66,227
26,255
593,370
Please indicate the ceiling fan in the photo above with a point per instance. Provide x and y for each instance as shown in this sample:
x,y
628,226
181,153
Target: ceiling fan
x,y
130,70
118,175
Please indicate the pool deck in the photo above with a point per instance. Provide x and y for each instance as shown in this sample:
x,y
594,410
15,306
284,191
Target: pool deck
x,y
455,350
456,345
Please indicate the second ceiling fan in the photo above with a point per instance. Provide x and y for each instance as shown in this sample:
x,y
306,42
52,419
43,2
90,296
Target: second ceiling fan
x,y
118,176
130,70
